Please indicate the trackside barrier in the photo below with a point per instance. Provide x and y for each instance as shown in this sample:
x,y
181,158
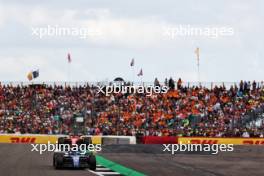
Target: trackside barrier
x,y
28,138
201,140
216,140
118,140
44,139
107,140
160,140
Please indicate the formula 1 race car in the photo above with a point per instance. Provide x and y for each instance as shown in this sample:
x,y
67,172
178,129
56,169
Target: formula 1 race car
x,y
74,159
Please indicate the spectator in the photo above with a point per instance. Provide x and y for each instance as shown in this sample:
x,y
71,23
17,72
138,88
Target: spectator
x,y
171,84
185,111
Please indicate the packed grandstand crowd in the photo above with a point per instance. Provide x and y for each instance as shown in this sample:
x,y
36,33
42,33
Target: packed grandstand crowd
x,y
182,111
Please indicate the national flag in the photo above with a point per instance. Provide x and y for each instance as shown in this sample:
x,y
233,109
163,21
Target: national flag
x,y
132,63
140,72
197,52
32,75
69,58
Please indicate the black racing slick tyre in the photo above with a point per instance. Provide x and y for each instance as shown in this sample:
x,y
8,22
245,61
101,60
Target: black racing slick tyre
x,y
92,163
57,160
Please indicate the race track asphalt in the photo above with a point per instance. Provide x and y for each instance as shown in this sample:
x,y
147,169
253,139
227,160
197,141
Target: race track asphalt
x,y
151,160
18,160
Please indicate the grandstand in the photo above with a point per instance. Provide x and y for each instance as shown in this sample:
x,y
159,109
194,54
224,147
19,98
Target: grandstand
x,y
204,109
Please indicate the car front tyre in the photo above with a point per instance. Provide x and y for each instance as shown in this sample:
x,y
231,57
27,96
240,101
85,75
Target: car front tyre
x,y
92,163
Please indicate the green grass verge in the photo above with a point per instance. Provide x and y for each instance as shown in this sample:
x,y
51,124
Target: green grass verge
x,y
117,167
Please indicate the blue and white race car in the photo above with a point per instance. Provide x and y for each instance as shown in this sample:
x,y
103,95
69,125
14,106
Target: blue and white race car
x,y
74,159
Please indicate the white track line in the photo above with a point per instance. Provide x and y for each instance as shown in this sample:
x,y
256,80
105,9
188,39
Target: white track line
x,y
95,173
105,171
108,173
